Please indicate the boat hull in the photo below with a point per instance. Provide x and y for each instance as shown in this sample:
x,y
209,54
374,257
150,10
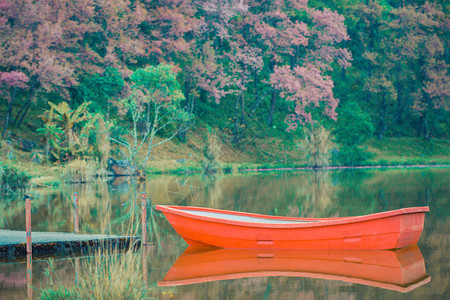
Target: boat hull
x,y
386,230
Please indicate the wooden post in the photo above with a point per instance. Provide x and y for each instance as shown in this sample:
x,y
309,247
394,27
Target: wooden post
x,y
75,221
145,264
29,276
144,218
28,222
77,269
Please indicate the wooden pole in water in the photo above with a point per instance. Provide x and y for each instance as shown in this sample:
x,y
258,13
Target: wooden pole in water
x,y
144,218
27,199
77,269
145,264
75,221
29,276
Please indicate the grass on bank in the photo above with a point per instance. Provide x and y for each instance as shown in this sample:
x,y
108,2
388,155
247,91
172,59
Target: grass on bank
x,y
409,151
175,158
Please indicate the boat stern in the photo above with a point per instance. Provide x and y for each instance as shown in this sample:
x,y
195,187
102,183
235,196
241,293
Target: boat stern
x,y
411,228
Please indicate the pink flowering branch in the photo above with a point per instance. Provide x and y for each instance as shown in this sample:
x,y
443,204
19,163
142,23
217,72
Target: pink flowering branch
x,y
308,88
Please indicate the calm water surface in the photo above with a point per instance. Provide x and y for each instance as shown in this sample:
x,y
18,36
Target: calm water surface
x,y
112,207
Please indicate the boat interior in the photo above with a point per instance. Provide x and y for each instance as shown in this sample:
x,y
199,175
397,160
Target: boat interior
x,y
224,216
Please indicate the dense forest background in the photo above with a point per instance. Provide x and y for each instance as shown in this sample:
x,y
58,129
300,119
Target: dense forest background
x,y
92,70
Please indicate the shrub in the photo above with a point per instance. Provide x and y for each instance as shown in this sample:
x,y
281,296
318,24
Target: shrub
x,y
12,179
352,155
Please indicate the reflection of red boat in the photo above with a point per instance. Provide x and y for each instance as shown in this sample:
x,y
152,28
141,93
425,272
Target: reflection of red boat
x,y
228,229
402,270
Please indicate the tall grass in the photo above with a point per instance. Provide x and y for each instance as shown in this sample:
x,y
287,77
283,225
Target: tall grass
x,y
317,146
108,273
79,171
212,153
111,275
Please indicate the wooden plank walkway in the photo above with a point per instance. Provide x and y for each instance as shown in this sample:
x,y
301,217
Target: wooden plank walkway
x,y
13,242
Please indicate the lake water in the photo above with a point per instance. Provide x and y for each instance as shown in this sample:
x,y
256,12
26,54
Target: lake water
x,y
114,208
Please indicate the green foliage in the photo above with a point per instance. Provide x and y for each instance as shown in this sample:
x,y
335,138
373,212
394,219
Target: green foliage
x,y
353,128
159,83
352,155
59,293
12,179
65,131
101,88
97,131
153,104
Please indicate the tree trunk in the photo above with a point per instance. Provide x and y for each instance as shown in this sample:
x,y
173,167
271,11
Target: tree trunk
x,y
9,111
293,60
382,123
272,109
428,122
272,99
426,126
22,113
419,128
399,97
236,122
255,81
428,130
242,113
188,107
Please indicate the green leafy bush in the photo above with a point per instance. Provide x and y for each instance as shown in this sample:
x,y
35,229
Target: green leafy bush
x,y
352,155
354,127
12,179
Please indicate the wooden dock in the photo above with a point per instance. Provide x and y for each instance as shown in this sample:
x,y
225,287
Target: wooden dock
x,y
13,243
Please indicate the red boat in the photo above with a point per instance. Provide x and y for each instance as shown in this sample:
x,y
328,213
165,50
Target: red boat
x,y
228,229
401,270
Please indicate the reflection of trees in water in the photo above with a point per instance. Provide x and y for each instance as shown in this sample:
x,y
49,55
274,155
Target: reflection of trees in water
x,y
95,207
318,194
112,207
369,191
277,287
213,189
178,190
315,193
435,249
282,195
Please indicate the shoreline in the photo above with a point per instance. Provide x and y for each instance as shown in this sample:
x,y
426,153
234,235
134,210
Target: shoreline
x,y
46,181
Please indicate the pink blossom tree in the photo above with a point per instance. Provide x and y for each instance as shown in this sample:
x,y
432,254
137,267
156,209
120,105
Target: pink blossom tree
x,y
300,49
36,36
417,38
